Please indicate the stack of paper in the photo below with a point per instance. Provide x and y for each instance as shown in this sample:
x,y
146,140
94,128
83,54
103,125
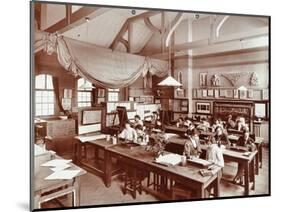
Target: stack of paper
x,y
91,138
172,159
56,162
58,166
63,175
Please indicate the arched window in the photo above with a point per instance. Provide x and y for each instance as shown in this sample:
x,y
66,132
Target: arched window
x,y
84,93
44,95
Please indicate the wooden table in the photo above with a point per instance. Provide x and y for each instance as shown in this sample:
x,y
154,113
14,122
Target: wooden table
x,y
258,143
98,145
187,175
248,162
55,188
175,129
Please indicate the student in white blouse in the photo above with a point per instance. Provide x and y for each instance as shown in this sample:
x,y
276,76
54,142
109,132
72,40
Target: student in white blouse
x,y
129,133
214,153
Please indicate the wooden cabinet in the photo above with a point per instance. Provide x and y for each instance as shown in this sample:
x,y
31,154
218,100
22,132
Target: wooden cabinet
x,y
221,109
60,136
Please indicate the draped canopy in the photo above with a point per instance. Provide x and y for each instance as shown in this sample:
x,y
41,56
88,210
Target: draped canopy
x,y
101,66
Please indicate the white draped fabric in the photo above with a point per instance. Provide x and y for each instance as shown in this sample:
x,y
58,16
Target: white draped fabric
x,y
101,66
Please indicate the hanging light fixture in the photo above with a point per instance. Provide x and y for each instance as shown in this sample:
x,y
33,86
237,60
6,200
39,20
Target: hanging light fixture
x,y
86,85
169,81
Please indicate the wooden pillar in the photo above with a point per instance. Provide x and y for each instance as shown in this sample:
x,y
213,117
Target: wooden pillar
x,y
189,71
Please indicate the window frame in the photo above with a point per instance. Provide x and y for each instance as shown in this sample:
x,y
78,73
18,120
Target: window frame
x,y
49,113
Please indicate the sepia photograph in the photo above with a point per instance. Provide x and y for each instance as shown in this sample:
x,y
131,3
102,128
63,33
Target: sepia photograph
x,y
144,105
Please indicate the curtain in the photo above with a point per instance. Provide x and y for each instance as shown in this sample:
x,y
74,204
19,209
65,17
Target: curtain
x,y
57,94
101,66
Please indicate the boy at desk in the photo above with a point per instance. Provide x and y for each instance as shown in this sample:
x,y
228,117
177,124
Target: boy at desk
x,y
138,121
246,141
204,125
180,122
187,122
142,137
129,134
154,120
192,145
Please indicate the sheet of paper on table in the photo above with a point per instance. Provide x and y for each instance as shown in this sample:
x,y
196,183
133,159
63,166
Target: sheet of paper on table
x,y
60,168
38,150
200,161
91,138
56,162
172,159
63,175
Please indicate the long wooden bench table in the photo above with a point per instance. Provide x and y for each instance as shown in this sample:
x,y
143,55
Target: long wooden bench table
x,y
143,160
249,162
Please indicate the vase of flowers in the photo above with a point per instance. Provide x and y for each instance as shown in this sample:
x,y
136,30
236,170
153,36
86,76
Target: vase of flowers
x,y
157,144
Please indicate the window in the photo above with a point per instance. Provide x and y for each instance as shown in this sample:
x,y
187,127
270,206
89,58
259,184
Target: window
x,y
44,95
113,95
84,94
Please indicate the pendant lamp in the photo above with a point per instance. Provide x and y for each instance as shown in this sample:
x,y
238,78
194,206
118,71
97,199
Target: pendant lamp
x,y
169,81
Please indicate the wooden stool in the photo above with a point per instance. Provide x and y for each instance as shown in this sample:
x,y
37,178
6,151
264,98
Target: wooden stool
x,y
133,180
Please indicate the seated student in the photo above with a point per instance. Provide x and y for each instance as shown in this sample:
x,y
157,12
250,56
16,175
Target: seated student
x,y
214,153
154,120
128,134
189,129
241,124
216,124
187,122
142,138
138,121
204,125
246,141
221,137
192,146
180,122
230,124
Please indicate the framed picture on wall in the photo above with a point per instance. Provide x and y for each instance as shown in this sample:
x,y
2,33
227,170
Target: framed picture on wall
x,y
211,92
67,93
204,93
242,94
194,93
250,94
203,79
264,94
203,107
101,92
235,94
228,93
216,93
222,93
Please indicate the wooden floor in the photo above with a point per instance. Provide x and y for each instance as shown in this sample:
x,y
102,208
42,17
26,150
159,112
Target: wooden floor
x,y
94,192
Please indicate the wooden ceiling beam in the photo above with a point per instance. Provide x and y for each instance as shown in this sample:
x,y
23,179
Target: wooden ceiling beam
x,y
125,27
75,19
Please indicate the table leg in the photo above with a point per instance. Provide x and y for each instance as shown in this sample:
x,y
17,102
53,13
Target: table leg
x,y
260,155
246,177
201,192
253,173
217,186
76,196
36,203
107,168
257,161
